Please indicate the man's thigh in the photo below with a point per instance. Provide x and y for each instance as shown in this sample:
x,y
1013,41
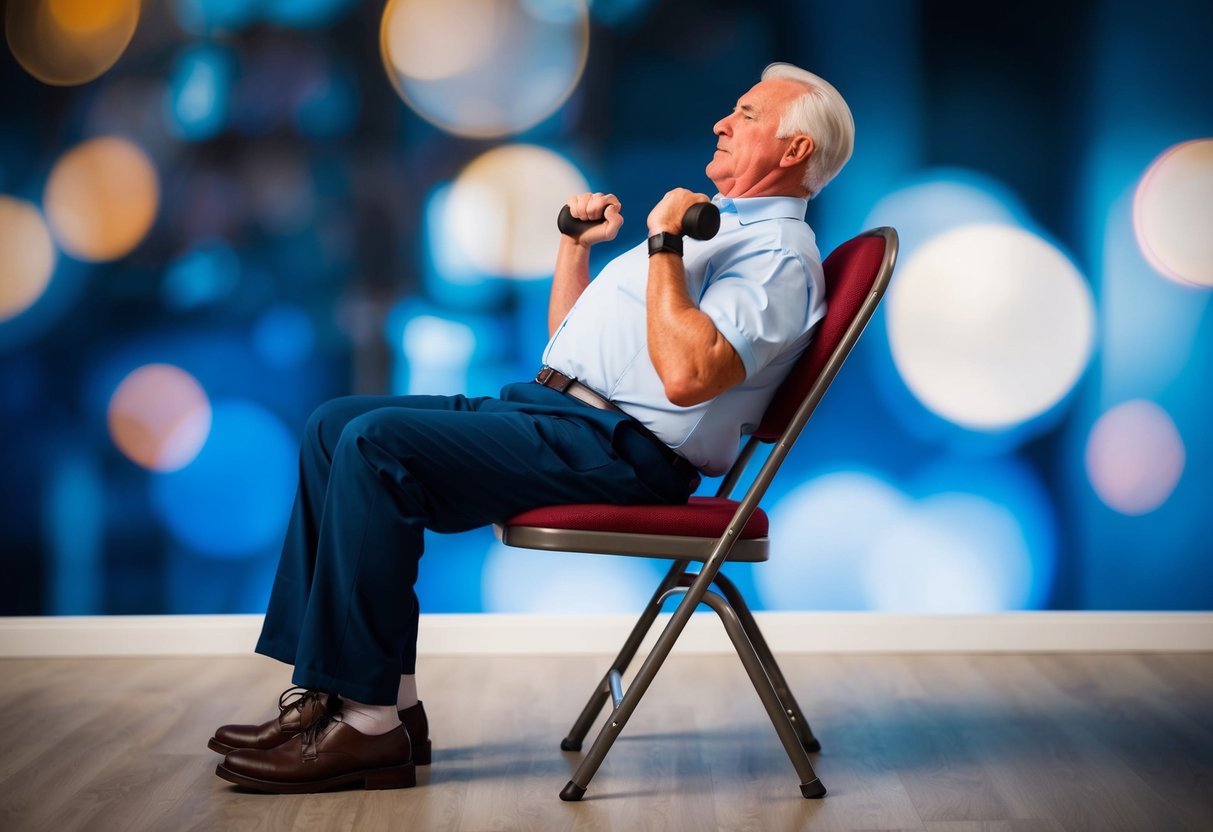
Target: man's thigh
x,y
331,418
479,467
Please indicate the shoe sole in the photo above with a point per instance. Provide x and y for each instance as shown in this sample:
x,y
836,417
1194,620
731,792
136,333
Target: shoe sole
x,y
392,777
422,754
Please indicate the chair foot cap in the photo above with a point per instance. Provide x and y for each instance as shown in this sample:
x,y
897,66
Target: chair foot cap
x,y
567,744
572,792
812,746
810,790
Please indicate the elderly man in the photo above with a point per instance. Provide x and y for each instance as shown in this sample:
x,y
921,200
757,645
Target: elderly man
x,y
653,372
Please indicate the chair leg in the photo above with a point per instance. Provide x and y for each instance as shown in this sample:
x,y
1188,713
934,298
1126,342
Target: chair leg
x,y
613,727
601,694
810,785
767,658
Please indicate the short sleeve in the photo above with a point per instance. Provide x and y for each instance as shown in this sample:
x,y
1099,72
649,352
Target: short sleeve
x,y
760,304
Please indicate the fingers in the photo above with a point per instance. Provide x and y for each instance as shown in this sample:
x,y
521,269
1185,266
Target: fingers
x,y
667,214
685,198
593,207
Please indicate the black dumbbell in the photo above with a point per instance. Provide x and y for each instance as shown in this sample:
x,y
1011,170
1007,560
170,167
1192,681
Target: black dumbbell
x,y
701,222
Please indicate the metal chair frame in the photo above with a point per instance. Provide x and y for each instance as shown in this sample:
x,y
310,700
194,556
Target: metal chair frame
x,y
707,585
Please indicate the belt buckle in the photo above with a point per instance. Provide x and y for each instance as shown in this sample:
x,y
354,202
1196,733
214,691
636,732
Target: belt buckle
x,y
545,378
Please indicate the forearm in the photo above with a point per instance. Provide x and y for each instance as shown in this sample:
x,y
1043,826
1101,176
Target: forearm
x,y
694,361
569,280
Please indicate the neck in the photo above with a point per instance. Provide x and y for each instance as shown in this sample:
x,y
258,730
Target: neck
x,y
775,183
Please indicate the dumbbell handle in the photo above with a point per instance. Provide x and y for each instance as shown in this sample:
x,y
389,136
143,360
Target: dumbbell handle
x,y
701,221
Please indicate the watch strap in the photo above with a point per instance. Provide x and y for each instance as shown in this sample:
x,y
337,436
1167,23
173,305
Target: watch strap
x,y
665,241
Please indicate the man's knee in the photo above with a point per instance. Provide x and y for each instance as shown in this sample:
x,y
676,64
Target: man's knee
x,y
324,427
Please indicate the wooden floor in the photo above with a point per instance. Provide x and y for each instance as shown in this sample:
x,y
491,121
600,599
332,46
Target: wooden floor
x,y
940,743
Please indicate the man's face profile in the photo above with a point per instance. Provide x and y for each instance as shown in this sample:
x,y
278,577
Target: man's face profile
x,y
747,150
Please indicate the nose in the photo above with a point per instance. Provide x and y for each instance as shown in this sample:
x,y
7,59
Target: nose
x,y
721,127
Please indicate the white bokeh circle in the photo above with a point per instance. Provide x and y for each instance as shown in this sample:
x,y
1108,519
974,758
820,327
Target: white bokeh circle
x,y
850,540
1135,457
954,553
941,200
990,326
821,533
484,68
500,214
1173,213
534,581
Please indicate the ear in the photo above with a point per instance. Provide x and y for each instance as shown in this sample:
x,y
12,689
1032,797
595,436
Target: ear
x,y
799,149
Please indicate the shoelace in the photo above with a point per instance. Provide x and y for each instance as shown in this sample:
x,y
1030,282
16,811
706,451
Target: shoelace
x,y
304,695
316,731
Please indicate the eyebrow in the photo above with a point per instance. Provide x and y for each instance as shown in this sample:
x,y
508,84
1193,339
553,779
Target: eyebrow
x,y
747,108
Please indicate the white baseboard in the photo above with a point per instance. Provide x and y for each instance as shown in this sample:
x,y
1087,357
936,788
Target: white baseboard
x,y
786,632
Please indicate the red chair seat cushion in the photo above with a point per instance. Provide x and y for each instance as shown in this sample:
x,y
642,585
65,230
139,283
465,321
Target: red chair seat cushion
x,y
701,517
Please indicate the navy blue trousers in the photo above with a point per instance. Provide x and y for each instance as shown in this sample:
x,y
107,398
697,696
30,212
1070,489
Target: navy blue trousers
x,y
376,471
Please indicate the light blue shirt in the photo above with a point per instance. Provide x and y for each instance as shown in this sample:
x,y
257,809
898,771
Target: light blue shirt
x,y
759,280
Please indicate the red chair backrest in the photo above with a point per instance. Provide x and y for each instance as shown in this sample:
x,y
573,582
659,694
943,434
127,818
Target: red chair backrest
x,y
850,271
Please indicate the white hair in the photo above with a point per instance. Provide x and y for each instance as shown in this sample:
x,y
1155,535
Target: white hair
x,y
823,115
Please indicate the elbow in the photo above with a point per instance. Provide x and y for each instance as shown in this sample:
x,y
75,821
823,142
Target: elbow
x,y
685,392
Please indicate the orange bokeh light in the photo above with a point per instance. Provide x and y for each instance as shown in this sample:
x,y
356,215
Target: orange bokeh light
x,y
69,42
499,213
159,417
101,198
484,68
27,256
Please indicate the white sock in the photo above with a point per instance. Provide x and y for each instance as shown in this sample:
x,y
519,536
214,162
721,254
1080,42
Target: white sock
x,y
371,720
406,694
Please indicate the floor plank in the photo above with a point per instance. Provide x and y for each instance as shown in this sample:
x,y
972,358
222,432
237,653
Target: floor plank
x,y
932,743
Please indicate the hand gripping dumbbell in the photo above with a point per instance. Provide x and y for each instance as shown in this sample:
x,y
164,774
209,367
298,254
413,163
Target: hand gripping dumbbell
x,y
700,222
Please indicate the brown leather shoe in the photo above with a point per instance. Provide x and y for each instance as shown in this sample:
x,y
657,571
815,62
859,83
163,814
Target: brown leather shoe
x,y
415,722
327,755
294,717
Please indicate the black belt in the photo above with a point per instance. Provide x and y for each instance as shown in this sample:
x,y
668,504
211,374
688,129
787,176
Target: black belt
x,y
572,387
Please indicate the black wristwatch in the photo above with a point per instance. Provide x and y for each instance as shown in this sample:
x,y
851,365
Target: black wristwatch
x,y
665,241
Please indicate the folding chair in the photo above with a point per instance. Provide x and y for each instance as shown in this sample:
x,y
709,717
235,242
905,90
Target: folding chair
x,y
711,530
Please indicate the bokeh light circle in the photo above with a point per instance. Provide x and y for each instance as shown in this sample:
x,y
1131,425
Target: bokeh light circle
x,y
535,581
990,326
101,198
1135,457
159,417
1173,212
67,42
27,256
843,514
234,500
955,553
940,200
500,213
961,538
484,68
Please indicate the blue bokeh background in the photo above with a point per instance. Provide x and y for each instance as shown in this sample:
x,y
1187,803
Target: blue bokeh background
x,y
296,255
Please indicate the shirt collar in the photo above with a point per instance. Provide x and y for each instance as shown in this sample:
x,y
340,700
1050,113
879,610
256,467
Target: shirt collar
x,y
755,208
